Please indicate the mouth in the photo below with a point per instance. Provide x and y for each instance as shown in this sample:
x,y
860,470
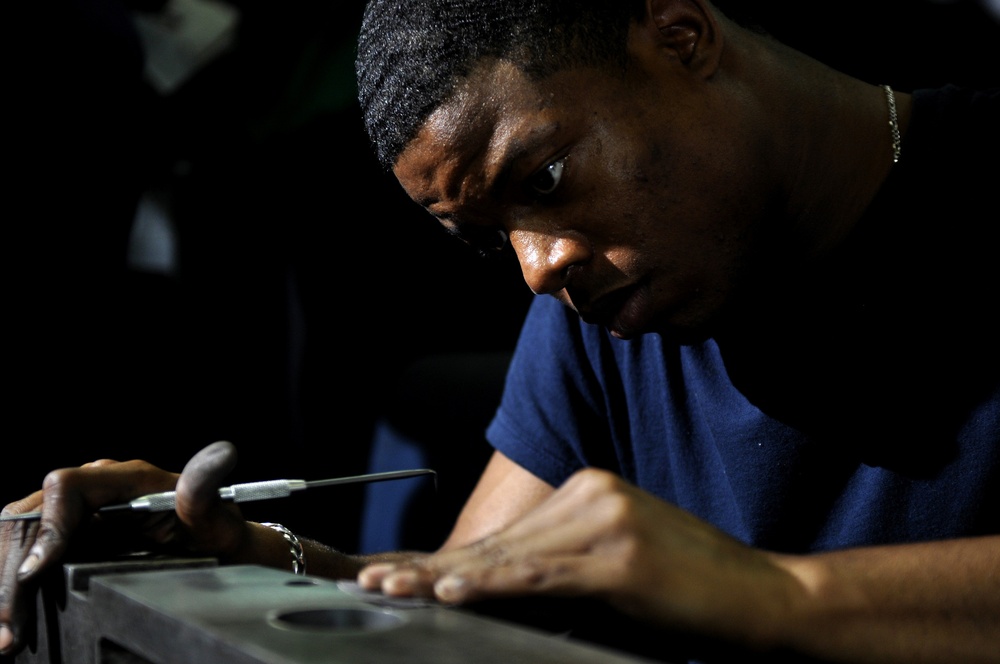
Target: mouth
x,y
624,311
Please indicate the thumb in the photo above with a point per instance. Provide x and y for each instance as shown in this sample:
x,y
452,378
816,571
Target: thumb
x,y
211,526
198,485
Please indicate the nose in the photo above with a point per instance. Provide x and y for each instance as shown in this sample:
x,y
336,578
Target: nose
x,y
546,259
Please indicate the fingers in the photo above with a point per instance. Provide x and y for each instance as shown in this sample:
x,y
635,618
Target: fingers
x,y
28,504
554,549
15,605
64,506
491,568
16,599
543,554
99,463
596,536
399,579
69,498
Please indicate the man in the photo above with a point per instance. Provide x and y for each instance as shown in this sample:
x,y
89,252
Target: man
x,y
776,426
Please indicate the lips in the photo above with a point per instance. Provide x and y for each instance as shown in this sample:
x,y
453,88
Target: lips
x,y
622,311
633,315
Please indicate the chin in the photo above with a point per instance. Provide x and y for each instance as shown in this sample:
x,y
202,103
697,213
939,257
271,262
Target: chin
x,y
684,336
687,332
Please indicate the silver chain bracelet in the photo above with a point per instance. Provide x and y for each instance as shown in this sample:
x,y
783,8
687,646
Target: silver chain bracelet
x,y
294,547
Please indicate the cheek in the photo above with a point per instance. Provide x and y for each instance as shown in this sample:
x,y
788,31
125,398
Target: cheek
x,y
647,209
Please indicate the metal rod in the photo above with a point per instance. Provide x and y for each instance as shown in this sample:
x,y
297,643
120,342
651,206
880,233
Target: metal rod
x,y
241,493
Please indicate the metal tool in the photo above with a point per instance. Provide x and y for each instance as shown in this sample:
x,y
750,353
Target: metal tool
x,y
241,493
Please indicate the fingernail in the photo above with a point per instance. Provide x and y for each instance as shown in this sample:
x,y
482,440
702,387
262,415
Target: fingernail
x,y
6,639
450,588
364,580
376,568
402,581
29,565
371,577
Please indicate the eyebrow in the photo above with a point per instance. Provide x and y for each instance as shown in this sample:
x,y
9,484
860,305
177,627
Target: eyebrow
x,y
446,219
517,149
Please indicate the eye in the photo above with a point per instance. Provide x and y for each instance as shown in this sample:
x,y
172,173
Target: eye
x,y
487,242
547,180
491,243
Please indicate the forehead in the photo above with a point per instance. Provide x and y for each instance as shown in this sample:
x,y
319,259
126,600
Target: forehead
x,y
495,116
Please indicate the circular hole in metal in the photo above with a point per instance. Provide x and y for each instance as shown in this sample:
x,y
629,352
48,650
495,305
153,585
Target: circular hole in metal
x,y
337,619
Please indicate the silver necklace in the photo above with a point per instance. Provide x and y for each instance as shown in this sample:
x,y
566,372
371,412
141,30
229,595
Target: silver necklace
x,y
893,123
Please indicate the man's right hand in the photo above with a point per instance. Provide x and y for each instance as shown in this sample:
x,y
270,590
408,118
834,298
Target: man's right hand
x,y
69,500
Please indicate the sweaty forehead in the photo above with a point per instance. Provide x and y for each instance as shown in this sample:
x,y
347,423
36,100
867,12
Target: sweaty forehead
x,y
472,134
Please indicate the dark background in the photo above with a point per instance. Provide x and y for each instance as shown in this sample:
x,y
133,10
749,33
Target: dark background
x,y
306,284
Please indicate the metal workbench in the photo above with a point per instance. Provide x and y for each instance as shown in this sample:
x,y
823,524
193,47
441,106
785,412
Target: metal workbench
x,y
197,612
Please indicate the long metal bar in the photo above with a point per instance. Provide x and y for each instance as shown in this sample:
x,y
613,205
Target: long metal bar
x,y
241,493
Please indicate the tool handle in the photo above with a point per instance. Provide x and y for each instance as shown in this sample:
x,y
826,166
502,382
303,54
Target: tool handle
x,y
266,490
237,493
152,502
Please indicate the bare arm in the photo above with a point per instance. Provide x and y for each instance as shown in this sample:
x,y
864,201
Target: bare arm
x,y
602,537
928,602
504,493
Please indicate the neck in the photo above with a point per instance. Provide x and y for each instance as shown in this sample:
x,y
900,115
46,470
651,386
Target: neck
x,y
832,142
826,147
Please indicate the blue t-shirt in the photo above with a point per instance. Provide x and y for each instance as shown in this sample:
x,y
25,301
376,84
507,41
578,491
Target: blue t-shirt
x,y
874,407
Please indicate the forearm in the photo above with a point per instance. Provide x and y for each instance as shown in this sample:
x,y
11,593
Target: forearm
x,y
934,602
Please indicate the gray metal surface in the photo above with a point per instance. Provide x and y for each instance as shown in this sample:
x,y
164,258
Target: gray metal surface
x,y
206,614
65,626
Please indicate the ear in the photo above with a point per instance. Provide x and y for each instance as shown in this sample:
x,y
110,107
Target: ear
x,y
687,31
